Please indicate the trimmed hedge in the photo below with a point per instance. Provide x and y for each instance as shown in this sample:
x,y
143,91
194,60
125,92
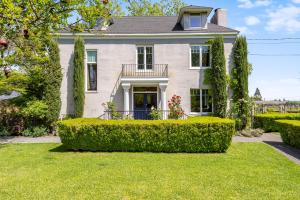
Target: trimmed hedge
x,y
267,121
205,134
290,132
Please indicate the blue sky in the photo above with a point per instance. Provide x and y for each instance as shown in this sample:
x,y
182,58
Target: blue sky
x,y
276,76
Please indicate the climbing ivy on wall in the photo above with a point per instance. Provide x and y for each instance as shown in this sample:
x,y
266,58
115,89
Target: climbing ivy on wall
x,y
239,82
78,78
217,78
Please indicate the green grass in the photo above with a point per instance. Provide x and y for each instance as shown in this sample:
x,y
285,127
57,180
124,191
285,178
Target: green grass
x,y
246,171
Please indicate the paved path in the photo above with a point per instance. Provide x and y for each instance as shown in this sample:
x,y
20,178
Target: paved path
x,y
272,139
21,139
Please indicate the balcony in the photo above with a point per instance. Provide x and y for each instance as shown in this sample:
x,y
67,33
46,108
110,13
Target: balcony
x,y
144,71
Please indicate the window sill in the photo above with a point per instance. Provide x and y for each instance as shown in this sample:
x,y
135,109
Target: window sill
x,y
198,68
92,91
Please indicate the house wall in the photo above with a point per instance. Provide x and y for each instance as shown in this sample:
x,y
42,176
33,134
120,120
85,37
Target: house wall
x,y
112,53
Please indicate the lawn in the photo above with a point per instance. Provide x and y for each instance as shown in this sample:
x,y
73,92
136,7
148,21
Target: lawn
x,y
46,171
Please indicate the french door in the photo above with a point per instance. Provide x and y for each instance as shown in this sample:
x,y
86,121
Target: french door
x,y
144,57
143,103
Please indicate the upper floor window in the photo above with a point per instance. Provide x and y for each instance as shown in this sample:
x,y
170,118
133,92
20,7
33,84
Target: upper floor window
x,y
91,70
195,21
145,57
200,56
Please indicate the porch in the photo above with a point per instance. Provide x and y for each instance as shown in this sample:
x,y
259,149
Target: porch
x,y
144,89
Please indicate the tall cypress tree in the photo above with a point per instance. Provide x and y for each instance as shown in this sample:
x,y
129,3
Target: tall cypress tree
x,y
78,78
53,80
240,73
218,77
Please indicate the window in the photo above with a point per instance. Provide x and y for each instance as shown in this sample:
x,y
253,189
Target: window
x,y
201,101
200,56
145,58
195,100
195,21
91,70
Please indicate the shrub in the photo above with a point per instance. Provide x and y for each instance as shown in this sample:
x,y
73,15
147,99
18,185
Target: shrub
x,y
267,121
219,77
35,113
239,82
156,114
4,132
36,131
111,109
290,132
176,112
53,83
207,134
11,118
78,77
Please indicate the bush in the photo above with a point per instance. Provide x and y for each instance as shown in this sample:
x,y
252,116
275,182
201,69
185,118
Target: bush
x,y
205,134
290,132
219,77
4,132
10,118
36,131
78,77
267,121
176,111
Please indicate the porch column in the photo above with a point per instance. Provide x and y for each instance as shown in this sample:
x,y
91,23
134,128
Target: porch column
x,y
163,96
126,87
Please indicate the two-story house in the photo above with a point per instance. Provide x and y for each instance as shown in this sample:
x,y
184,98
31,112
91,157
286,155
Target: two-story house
x,y
141,62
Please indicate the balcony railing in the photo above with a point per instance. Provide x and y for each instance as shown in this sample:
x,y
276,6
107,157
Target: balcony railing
x,y
144,71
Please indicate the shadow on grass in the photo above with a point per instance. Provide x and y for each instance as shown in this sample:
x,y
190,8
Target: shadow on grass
x,y
2,146
285,148
64,149
60,149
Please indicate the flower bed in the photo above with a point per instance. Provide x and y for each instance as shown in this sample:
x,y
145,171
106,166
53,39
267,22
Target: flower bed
x,y
199,134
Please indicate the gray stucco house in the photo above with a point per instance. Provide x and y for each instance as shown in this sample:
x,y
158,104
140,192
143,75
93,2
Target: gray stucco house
x,y
141,62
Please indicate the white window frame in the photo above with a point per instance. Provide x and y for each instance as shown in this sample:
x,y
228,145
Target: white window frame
x,y
145,56
201,112
86,69
190,56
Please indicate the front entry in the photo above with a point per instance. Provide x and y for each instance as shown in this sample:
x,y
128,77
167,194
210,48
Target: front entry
x,y
143,102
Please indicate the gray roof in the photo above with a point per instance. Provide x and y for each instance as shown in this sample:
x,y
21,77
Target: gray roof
x,y
157,24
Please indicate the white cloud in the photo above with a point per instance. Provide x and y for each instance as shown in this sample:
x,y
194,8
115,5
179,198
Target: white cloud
x,y
254,3
285,19
296,1
252,20
243,29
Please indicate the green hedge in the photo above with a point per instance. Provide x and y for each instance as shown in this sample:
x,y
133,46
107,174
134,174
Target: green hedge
x,y
205,134
267,121
290,132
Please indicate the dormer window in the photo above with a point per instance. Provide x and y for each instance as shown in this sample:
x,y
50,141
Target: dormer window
x,y
195,21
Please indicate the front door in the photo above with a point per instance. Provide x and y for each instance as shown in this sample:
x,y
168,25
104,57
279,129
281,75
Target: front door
x,y
143,102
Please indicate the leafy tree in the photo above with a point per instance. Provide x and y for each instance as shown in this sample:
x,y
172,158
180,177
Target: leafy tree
x,y
257,95
27,25
53,80
14,81
78,79
151,8
239,83
218,77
